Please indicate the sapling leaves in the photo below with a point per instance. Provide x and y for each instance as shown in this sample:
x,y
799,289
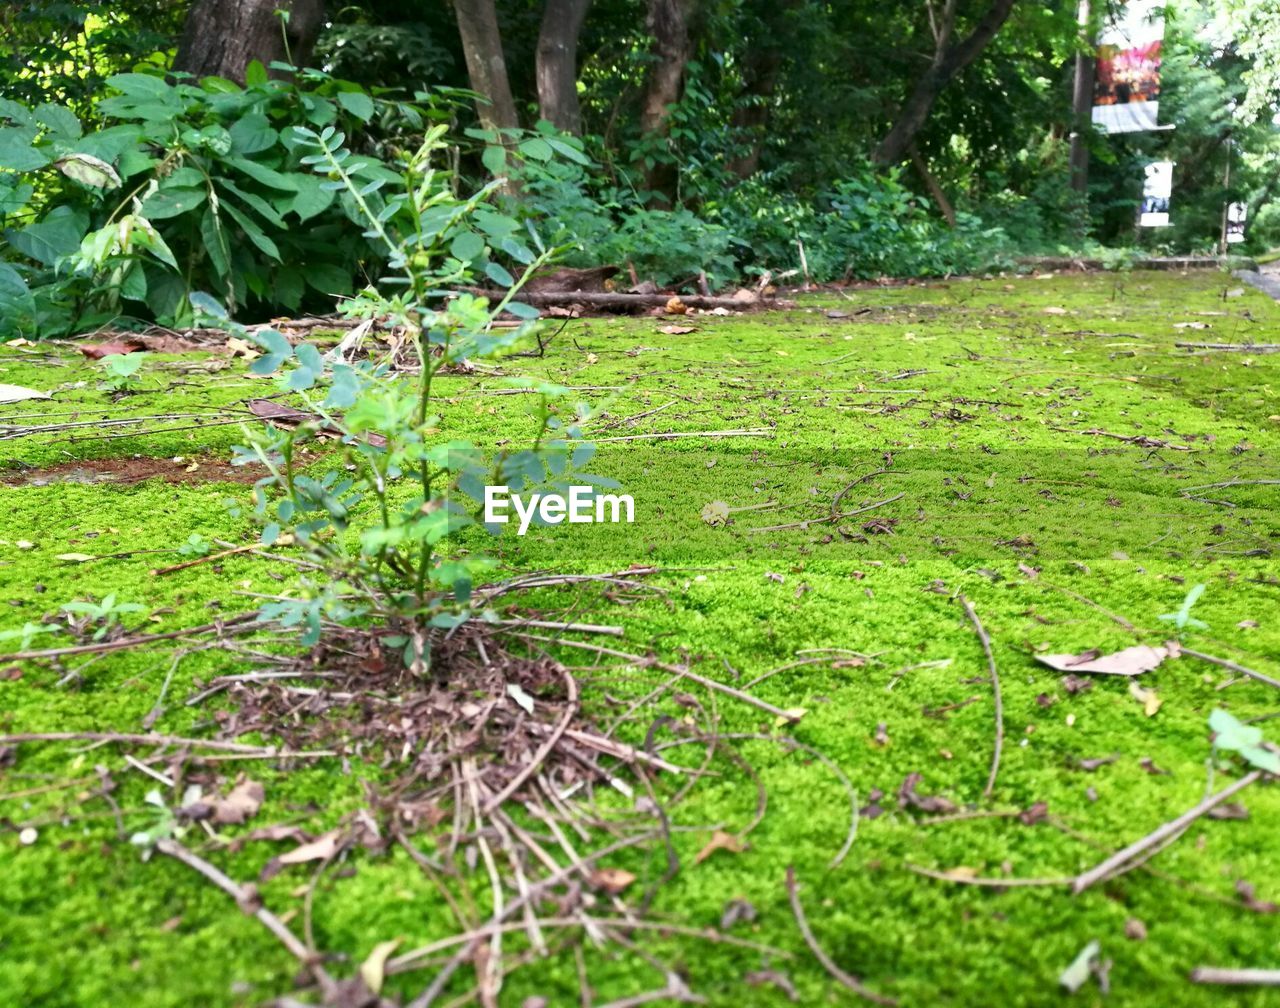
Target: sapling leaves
x,y
1232,734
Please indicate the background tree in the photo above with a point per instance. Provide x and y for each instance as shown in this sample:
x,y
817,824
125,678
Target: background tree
x,y
221,37
557,63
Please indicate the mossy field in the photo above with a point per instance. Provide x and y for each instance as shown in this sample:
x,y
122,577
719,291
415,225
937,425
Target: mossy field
x,y
1037,446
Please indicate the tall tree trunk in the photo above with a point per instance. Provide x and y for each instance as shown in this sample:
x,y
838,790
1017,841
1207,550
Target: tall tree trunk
x,y
949,58
557,64
761,67
668,22
221,37
486,66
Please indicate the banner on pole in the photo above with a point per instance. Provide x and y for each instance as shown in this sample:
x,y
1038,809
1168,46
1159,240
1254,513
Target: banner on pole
x,y
1126,89
1236,213
1156,190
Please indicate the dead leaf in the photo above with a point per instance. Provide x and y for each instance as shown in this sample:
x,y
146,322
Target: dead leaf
x,y
881,737
19,393
96,351
909,797
961,873
720,840
1075,684
1054,310
758,978
75,557
1248,896
677,330
520,697
612,880
320,849
243,801
1129,662
1135,930
736,911
1037,813
1081,968
716,513
373,969
1148,764
1228,810
1147,697
242,348
676,307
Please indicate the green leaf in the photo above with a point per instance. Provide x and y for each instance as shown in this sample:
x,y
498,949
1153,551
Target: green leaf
x,y
48,240
60,120
207,306
1262,758
467,246
254,233
499,275
1230,733
17,151
252,133
140,86
522,311
134,284
537,149
269,177
494,159
255,74
312,198
215,243
166,203
570,151
357,103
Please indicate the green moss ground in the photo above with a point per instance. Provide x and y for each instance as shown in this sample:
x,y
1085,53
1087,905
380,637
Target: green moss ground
x,y
982,398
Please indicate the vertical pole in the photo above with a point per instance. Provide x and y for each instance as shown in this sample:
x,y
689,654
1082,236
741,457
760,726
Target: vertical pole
x,y
1081,103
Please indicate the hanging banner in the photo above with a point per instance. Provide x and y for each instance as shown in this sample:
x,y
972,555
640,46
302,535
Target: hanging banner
x,y
1235,222
1126,88
1156,190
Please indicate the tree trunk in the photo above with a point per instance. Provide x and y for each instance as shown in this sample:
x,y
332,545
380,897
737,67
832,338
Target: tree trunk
x,y
668,22
948,60
933,185
557,64
760,71
221,37
486,66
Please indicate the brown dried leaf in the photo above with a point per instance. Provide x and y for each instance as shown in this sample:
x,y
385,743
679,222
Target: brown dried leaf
x,y
243,801
720,840
1129,662
320,849
677,330
908,797
612,880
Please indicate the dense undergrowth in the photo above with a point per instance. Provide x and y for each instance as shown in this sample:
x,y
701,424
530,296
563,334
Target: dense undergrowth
x,y
987,404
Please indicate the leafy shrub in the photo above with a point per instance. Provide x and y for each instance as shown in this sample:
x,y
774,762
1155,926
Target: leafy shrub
x,y
186,188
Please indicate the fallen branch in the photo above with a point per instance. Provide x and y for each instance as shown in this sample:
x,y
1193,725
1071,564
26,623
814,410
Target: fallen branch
x,y
993,883
1236,977
996,695
264,752
618,299
1121,861
851,982
749,432
249,902
1233,666
210,558
1262,348
126,642
681,670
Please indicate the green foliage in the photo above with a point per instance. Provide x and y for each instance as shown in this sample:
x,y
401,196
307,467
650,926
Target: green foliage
x,y
185,188
378,522
122,371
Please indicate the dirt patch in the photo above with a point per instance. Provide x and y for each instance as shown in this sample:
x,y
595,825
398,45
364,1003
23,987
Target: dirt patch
x,y
178,470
